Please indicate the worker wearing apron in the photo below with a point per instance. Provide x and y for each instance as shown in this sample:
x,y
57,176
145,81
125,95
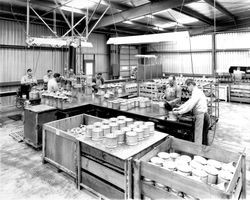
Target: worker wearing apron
x,y
172,94
198,104
97,82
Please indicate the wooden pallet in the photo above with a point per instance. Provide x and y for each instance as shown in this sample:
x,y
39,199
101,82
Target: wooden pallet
x,y
235,189
17,134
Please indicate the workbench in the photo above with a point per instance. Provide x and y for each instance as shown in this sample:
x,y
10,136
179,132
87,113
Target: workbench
x,y
34,118
78,107
183,129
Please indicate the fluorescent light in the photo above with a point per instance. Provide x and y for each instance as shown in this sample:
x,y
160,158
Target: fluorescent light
x,y
158,28
149,16
138,18
128,22
166,25
82,3
187,20
150,38
145,56
86,44
160,12
70,9
142,17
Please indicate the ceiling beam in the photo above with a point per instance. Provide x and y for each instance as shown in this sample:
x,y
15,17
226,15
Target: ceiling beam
x,y
120,29
219,7
139,11
116,5
243,23
192,13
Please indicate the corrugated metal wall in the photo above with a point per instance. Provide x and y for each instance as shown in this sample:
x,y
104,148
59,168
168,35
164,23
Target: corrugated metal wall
x,y
233,40
15,61
176,57
233,50
13,33
17,58
100,50
197,63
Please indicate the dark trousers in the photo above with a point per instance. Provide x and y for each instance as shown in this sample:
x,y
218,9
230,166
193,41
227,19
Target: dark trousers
x,y
206,127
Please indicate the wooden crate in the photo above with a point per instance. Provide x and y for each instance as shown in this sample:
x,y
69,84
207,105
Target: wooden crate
x,y
108,172
34,118
59,147
235,189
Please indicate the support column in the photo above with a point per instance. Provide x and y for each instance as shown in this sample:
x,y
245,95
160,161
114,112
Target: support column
x,y
214,54
72,58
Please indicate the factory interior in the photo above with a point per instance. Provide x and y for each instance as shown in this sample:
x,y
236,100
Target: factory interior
x,y
124,99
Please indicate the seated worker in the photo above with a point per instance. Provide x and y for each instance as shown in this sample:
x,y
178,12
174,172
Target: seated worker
x,y
97,81
71,74
198,104
53,83
27,82
46,79
172,93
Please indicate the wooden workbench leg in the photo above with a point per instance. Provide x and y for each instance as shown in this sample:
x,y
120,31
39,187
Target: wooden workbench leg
x,y
129,178
243,176
76,163
43,146
126,179
137,179
78,175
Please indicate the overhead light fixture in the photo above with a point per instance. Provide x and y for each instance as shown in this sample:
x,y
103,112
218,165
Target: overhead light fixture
x,y
167,25
145,56
87,44
49,42
71,9
57,42
80,4
138,18
142,17
128,22
158,28
150,38
160,12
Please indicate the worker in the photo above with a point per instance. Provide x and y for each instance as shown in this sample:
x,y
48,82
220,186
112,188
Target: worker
x,y
198,104
46,79
71,74
172,93
238,74
27,82
97,82
53,83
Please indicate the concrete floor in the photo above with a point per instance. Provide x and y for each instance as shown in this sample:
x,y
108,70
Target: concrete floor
x,y
23,176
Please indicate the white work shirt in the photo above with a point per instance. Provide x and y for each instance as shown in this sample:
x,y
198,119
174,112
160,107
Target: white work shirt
x,y
53,85
28,79
46,78
197,102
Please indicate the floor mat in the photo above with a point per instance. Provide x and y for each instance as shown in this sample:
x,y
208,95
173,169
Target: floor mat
x,y
17,133
15,117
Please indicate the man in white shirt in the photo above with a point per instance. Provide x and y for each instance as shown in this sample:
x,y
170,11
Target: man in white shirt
x,y
27,82
198,104
172,93
29,79
46,78
53,83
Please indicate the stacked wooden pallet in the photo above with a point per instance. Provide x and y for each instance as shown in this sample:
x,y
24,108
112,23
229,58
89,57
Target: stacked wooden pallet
x,y
240,93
